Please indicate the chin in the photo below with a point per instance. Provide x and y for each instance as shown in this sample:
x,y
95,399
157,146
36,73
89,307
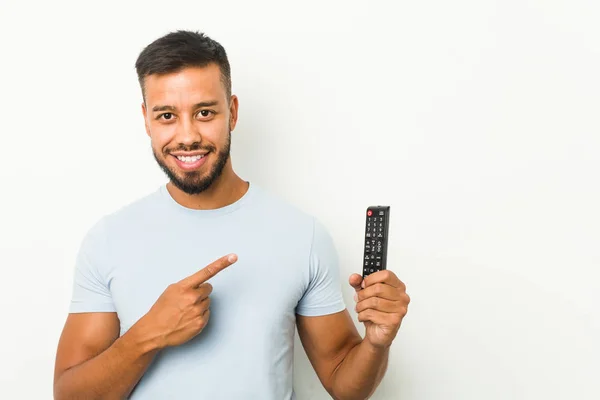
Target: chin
x,y
195,179
192,187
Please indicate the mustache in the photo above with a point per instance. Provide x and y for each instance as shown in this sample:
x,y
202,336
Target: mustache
x,y
193,147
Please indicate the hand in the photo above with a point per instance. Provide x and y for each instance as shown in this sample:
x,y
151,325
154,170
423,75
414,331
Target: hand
x,y
182,311
381,303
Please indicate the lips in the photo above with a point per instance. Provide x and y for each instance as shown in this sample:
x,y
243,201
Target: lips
x,y
189,161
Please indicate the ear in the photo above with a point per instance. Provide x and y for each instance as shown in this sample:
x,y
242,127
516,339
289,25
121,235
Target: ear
x,y
145,114
233,111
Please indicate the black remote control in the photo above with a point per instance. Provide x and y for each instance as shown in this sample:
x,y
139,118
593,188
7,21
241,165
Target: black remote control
x,y
376,239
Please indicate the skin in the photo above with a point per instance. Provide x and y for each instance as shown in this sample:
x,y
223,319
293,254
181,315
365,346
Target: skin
x,y
93,361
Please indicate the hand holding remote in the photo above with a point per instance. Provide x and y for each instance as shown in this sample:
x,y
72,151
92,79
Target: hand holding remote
x,y
381,299
381,304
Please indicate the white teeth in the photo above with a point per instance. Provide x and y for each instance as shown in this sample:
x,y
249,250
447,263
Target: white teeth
x,y
188,159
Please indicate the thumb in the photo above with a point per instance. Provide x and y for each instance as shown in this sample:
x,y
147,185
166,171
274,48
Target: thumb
x,y
355,281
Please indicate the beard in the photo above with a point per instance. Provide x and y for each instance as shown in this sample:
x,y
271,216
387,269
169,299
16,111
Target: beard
x,y
194,182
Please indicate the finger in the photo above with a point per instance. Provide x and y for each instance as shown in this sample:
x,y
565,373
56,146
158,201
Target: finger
x,y
202,319
384,276
209,271
381,290
379,317
203,305
355,280
378,304
203,290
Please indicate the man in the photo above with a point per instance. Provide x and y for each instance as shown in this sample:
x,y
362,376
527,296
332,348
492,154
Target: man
x,y
195,291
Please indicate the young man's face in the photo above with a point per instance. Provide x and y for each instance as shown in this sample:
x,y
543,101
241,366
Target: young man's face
x,y
189,120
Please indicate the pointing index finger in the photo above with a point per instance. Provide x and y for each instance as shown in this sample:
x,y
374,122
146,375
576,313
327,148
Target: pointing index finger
x,y
209,271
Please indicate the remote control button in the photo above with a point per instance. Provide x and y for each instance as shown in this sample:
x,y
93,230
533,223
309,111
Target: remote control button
x,y
369,213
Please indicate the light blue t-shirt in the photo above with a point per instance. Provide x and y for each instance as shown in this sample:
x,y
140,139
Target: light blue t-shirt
x,y
287,264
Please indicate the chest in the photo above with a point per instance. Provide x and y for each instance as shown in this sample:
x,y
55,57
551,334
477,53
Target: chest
x,y
262,287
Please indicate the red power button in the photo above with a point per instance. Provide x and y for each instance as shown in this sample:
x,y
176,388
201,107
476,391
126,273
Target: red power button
x,y
369,213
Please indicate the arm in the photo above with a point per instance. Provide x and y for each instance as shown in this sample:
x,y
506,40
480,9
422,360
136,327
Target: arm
x,y
93,362
347,366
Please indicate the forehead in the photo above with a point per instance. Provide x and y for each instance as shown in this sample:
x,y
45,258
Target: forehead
x,y
189,85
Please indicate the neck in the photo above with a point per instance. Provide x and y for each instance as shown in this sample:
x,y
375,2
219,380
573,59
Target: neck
x,y
225,190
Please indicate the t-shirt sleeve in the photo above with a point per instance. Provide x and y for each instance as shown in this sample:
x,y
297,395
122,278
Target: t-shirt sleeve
x,y
90,288
324,293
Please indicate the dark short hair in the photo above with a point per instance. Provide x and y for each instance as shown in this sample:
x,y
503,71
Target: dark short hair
x,y
181,49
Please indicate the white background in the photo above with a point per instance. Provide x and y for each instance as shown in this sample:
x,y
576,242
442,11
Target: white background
x,y
477,121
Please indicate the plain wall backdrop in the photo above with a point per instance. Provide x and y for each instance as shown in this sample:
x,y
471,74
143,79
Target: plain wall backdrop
x,y
475,120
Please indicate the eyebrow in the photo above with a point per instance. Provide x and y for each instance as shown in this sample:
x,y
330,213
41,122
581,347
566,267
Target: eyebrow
x,y
198,105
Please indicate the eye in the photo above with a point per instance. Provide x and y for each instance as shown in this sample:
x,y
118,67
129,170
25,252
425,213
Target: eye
x,y
205,113
166,116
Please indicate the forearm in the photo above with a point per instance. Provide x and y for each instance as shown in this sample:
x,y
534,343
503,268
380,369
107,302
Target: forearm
x,y
112,374
360,372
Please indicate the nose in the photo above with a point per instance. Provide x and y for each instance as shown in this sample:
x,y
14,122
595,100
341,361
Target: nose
x,y
188,133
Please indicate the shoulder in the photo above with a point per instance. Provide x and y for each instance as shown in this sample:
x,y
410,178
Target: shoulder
x,y
139,207
284,213
297,225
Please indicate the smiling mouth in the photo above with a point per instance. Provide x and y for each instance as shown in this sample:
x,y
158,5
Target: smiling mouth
x,y
190,159
191,162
